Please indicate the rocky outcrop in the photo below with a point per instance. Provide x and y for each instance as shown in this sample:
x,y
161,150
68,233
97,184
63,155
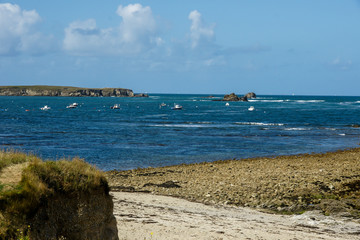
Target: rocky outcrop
x,y
141,95
231,97
234,98
250,95
66,91
80,216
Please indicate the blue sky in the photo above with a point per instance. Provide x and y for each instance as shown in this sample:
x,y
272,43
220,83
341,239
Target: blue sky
x,y
212,47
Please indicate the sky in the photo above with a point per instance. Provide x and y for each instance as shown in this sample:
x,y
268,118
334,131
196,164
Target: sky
x,y
299,47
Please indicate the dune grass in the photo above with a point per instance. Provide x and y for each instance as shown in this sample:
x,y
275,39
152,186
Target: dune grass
x,y
11,157
39,181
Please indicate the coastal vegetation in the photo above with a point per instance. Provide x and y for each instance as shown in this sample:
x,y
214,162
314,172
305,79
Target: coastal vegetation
x,y
27,183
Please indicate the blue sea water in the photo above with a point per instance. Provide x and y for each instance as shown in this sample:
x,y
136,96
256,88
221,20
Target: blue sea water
x,y
143,134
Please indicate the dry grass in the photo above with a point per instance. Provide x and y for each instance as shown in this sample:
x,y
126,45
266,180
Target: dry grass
x,y
8,158
11,175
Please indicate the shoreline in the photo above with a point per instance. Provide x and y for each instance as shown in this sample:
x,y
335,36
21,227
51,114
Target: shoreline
x,y
148,216
328,182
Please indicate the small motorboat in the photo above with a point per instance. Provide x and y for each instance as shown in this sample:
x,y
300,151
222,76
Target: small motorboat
x,y
227,104
176,107
116,106
46,107
72,106
75,104
251,108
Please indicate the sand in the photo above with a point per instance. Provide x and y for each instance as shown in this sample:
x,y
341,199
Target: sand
x,y
147,216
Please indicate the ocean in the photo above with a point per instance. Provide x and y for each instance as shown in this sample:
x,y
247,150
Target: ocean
x,y
142,133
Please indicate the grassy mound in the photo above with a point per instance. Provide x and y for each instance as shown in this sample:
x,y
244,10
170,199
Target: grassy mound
x,y
39,180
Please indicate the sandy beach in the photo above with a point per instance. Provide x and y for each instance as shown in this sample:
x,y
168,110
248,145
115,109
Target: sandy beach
x,y
309,196
147,216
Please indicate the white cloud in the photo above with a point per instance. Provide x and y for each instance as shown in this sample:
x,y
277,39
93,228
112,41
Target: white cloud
x,y
198,30
136,32
138,23
18,33
84,37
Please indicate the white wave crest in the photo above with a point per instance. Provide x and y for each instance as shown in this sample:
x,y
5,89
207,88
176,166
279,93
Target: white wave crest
x,y
296,129
252,100
259,124
187,125
309,101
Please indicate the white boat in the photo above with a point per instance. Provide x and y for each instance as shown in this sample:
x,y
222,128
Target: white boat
x,y
227,104
46,107
176,107
116,106
251,108
72,106
75,104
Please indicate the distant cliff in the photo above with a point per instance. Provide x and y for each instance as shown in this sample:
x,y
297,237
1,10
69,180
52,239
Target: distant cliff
x,y
59,91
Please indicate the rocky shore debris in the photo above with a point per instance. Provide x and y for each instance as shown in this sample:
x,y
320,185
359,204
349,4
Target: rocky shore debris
x,y
168,184
328,182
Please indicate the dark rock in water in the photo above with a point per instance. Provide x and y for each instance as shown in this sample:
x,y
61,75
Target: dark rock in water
x,y
250,95
231,97
234,98
141,95
81,216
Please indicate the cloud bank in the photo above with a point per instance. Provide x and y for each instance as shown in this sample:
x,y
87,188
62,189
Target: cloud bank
x,y
137,35
18,32
136,32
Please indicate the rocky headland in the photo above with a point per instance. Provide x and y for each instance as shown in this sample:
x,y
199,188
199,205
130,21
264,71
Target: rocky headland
x,y
60,91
